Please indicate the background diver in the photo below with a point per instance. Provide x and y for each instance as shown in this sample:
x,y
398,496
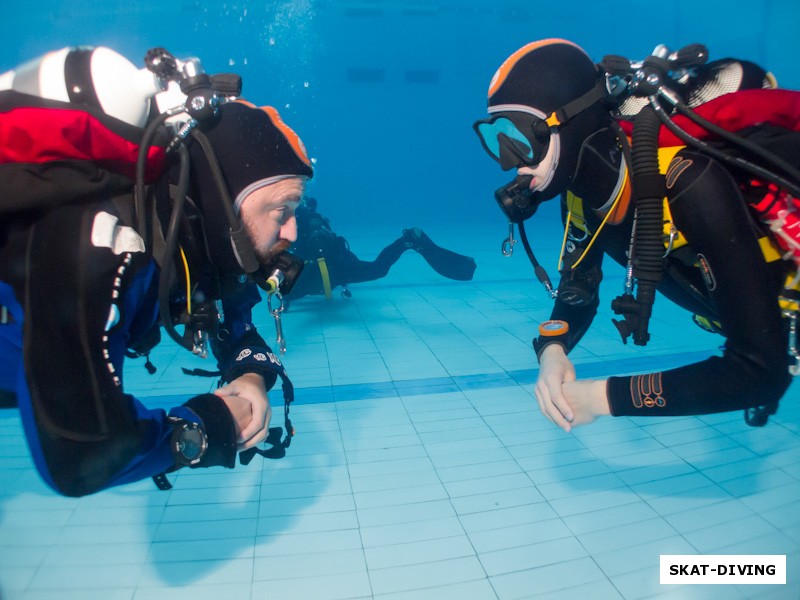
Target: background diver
x,y
557,118
329,262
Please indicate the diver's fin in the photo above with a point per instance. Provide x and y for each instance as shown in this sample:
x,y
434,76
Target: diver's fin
x,y
445,262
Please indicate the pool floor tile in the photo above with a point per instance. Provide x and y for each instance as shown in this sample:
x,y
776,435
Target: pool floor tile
x,y
422,470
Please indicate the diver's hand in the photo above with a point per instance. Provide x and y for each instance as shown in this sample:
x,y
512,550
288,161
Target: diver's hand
x,y
246,398
588,399
555,369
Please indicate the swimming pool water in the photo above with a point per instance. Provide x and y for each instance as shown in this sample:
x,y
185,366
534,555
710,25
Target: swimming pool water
x,y
421,466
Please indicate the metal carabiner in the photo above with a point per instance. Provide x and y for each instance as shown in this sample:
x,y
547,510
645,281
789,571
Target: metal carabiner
x,y
507,247
200,343
792,349
572,237
673,234
276,314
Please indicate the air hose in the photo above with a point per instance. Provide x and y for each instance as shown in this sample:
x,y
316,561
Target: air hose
x,y
242,246
792,180
143,204
171,245
648,247
538,269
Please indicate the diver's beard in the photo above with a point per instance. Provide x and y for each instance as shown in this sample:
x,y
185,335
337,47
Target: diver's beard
x,y
269,257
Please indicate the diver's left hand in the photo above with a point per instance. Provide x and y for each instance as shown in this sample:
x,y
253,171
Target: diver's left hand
x,y
250,389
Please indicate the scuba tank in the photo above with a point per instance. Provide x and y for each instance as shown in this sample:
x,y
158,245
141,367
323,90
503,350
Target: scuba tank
x,y
92,77
72,124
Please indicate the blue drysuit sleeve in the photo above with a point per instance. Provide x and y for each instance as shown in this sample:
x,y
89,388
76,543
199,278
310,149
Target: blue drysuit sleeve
x,y
240,348
78,306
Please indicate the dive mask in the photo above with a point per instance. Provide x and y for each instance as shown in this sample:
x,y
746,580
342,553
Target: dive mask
x,y
514,139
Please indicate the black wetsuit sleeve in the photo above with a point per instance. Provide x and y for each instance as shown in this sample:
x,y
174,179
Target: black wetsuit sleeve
x,y
708,209
586,276
579,317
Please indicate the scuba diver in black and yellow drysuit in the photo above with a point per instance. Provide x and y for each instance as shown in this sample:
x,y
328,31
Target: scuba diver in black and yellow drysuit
x,y
121,217
331,263
681,220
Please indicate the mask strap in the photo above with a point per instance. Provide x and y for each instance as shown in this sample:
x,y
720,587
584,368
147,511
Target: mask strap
x,y
570,109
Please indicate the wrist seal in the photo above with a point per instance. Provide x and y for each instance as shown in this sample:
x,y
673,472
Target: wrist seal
x,y
217,423
260,360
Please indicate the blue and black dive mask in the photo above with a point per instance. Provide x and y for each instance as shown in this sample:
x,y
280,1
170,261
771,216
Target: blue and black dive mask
x,y
514,139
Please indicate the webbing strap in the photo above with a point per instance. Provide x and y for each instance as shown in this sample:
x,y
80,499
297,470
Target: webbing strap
x,y
326,278
162,482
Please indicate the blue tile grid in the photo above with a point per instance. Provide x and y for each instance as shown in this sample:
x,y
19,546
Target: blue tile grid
x,y
422,469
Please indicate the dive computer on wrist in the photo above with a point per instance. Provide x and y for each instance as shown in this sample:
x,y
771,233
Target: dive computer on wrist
x,y
549,332
189,442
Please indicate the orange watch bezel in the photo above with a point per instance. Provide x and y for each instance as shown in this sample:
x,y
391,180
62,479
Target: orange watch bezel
x,y
553,328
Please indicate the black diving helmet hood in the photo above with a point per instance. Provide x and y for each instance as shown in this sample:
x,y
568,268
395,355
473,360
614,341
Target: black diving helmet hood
x,y
245,148
517,199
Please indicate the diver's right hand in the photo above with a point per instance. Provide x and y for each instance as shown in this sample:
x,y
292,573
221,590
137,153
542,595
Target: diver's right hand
x,y
555,369
247,399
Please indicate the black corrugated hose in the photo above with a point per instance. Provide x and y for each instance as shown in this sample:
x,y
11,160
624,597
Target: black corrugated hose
x,y
648,246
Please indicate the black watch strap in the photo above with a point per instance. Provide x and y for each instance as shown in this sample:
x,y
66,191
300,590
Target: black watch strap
x,y
551,332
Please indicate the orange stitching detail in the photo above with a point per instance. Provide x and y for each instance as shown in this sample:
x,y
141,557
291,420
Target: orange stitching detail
x,y
647,391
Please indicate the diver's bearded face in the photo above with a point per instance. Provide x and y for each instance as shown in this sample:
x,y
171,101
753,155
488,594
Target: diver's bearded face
x,y
268,257
268,215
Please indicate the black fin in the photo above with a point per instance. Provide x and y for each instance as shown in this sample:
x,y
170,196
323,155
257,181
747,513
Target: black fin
x,y
445,262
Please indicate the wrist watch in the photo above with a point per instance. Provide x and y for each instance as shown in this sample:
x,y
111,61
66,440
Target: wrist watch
x,y
550,331
189,442
553,328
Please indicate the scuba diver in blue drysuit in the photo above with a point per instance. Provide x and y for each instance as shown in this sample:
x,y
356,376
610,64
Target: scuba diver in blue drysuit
x,y
681,220
92,261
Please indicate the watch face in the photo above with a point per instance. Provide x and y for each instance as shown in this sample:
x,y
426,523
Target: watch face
x,y
192,443
553,328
